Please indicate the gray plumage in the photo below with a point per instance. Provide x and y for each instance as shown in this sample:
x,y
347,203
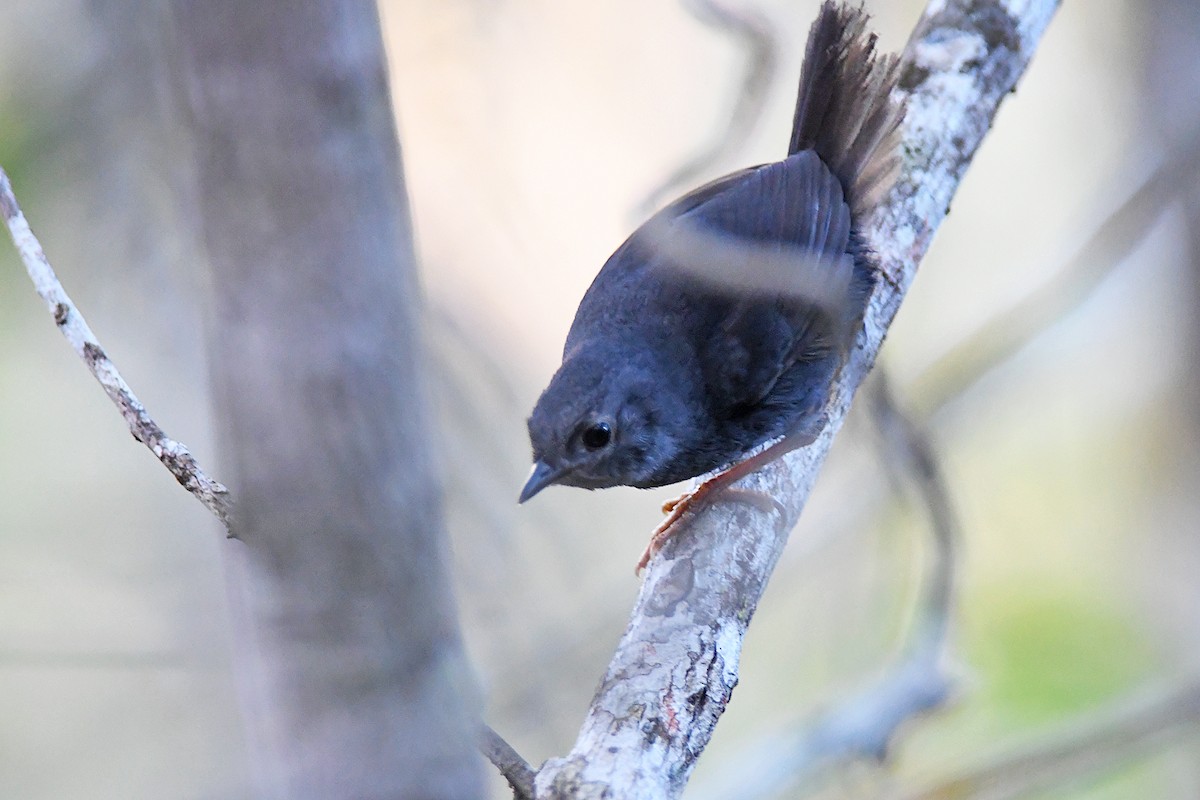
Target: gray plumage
x,y
721,323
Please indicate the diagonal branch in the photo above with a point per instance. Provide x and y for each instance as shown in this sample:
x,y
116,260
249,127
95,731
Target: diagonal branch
x,y
675,668
173,455
783,758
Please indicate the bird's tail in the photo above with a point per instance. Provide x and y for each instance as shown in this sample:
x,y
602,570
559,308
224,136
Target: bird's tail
x,y
844,109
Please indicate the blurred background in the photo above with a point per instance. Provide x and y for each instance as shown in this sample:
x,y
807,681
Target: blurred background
x,y
533,132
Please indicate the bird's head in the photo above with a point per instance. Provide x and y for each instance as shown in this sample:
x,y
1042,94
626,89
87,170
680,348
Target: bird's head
x,y
602,421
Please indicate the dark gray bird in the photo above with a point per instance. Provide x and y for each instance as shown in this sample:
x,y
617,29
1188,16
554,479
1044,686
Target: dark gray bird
x,y
720,324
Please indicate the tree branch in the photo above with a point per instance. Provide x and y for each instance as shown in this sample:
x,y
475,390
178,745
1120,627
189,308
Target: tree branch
x,y
173,455
911,457
677,664
866,726
783,758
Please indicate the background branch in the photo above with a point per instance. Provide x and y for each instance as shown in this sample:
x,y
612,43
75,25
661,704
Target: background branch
x,y
354,679
918,684
677,664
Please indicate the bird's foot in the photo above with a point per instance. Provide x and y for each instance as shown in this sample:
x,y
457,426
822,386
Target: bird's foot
x,y
693,501
684,505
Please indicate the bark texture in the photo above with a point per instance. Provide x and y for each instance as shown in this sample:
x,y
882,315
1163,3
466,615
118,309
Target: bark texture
x,y
353,674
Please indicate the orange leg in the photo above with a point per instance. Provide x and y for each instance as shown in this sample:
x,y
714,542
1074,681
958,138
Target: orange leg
x,y
691,502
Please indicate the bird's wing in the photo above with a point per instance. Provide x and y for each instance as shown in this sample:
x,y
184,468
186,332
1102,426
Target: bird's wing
x,y
774,241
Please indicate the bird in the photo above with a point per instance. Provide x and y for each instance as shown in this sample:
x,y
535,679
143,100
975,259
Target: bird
x,y
709,342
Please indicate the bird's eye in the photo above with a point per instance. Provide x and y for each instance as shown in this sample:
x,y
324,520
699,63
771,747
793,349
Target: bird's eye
x,y
597,436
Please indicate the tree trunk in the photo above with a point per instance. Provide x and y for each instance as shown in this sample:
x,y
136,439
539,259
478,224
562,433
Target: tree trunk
x,y
353,674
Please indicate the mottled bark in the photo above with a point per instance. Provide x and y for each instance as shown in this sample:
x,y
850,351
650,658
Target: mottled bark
x,y
353,674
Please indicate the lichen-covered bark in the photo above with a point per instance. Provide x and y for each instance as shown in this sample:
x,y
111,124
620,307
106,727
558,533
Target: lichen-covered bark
x,y
676,665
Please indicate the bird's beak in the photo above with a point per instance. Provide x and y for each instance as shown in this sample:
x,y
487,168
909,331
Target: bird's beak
x,y
542,476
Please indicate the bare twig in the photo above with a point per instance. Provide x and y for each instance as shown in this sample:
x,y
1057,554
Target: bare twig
x,y
754,37
173,455
677,664
1095,258
1098,743
515,769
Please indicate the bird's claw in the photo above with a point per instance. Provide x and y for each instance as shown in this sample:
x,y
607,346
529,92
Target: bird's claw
x,y
669,505
676,510
692,501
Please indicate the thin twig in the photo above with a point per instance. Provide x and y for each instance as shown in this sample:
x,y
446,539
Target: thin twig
x,y
760,50
515,769
1093,745
173,455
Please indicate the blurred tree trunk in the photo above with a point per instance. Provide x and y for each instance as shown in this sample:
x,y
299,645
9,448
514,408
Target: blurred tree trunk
x,y
1171,92
1171,106
353,674
1172,111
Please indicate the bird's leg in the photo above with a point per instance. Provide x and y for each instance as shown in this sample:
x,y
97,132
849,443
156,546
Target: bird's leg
x,y
693,501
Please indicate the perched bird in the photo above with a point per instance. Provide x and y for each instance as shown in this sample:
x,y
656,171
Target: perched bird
x,y
721,323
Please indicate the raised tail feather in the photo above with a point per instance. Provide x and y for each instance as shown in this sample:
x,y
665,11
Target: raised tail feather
x,y
844,109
